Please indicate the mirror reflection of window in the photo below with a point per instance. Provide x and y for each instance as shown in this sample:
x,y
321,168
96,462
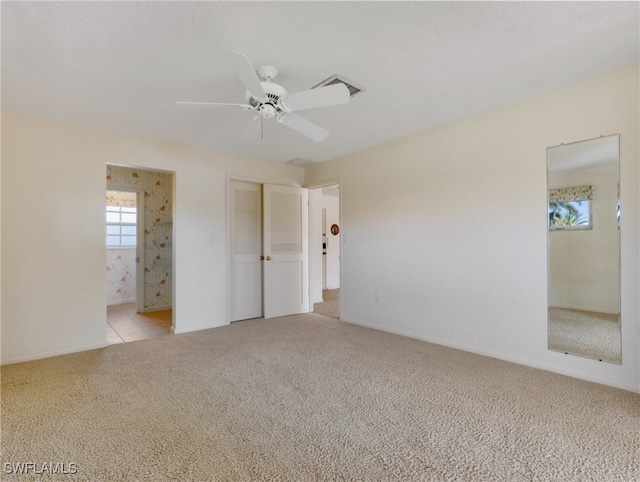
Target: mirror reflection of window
x,y
570,214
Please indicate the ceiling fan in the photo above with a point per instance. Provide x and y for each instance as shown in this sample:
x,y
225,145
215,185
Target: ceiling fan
x,y
270,100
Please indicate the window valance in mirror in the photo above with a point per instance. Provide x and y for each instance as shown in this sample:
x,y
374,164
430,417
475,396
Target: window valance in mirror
x,y
577,193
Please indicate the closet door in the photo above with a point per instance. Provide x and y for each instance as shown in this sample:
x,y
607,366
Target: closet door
x,y
286,263
246,250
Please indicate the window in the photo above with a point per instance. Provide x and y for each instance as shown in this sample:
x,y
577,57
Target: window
x,y
570,215
121,226
570,207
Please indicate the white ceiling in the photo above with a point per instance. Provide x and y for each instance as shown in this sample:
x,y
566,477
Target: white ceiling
x,y
121,66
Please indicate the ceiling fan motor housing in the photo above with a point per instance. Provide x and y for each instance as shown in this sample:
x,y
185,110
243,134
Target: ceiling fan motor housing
x,y
274,93
268,110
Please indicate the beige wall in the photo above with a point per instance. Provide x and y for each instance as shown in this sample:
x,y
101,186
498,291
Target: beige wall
x,y
450,227
53,264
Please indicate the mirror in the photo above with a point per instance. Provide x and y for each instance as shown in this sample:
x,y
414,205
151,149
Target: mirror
x,y
584,249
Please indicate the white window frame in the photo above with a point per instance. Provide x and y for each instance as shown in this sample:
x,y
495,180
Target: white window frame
x,y
120,224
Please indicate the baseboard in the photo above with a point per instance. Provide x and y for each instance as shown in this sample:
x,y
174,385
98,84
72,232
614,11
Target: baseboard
x,y
52,353
189,329
517,361
157,308
121,302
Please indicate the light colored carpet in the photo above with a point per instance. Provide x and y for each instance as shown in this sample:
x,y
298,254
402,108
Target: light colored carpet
x,y
307,398
330,306
585,333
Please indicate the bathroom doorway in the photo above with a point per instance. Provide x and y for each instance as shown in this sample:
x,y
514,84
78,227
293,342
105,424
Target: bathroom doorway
x,y
139,243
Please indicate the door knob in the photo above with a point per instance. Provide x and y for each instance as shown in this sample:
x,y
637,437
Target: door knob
x,y
261,258
268,258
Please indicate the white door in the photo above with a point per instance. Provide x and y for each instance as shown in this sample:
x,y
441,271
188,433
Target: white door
x,y
286,264
246,249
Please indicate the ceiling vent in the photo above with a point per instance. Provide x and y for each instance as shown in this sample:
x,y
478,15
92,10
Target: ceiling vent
x,y
301,162
338,79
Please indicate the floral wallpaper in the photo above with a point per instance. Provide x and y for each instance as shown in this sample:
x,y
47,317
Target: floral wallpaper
x,y
158,229
121,275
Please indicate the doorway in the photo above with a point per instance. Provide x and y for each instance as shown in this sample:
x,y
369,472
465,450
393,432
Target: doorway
x,y
139,234
325,248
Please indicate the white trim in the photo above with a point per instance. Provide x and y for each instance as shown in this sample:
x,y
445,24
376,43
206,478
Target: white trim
x,y
52,353
174,211
151,309
227,248
199,327
121,302
257,180
573,227
140,254
328,182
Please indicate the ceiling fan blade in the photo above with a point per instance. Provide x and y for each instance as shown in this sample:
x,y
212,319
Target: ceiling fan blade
x,y
253,131
320,97
304,127
216,104
245,72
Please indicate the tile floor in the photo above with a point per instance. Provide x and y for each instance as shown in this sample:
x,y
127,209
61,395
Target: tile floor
x,y
124,324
